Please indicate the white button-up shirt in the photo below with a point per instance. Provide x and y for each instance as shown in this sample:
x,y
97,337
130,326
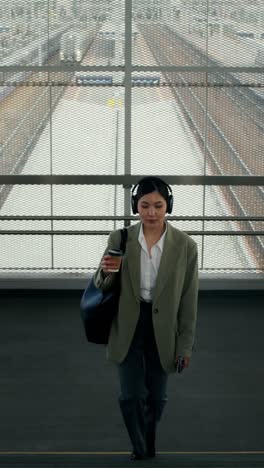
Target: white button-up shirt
x,y
149,265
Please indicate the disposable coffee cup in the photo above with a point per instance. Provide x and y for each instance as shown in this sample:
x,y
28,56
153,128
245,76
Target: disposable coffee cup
x,y
115,253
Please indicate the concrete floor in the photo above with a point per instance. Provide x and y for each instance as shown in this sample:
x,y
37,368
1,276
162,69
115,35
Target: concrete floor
x,y
59,394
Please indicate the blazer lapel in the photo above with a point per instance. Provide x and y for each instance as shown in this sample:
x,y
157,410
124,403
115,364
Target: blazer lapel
x,y
166,263
133,250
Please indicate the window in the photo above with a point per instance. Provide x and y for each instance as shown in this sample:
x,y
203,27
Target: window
x,y
97,89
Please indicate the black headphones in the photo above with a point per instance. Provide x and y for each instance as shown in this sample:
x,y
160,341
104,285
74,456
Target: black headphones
x,y
134,198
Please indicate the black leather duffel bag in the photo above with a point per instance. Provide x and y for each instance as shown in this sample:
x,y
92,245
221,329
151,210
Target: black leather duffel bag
x,y
99,307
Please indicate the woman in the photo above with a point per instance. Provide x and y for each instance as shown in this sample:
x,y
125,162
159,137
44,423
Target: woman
x,y
155,324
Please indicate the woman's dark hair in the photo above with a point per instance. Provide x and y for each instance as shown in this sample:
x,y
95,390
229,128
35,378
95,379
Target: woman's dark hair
x,y
148,185
151,184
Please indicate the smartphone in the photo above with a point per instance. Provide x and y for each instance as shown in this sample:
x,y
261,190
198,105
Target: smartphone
x,y
180,364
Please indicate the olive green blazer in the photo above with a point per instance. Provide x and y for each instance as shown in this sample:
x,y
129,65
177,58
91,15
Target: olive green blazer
x,y
174,302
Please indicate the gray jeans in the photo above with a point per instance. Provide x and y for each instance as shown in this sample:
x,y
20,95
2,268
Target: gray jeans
x,y
143,385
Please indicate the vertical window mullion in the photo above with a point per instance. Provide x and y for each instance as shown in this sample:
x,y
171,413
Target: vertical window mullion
x,y
128,101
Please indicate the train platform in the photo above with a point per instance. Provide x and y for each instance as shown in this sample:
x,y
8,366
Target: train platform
x,y
59,394
81,117
227,51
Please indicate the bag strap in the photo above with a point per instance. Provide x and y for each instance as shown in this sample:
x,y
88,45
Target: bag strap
x,y
123,233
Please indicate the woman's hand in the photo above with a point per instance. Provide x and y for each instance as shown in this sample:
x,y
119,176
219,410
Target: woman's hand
x,y
110,264
186,361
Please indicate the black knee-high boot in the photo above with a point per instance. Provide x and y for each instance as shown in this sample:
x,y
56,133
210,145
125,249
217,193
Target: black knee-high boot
x,y
133,412
154,412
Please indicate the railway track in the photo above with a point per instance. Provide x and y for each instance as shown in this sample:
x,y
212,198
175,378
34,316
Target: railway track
x,y
211,115
25,113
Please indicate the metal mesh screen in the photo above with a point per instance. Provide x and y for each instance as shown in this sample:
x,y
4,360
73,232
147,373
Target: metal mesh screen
x,y
120,88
